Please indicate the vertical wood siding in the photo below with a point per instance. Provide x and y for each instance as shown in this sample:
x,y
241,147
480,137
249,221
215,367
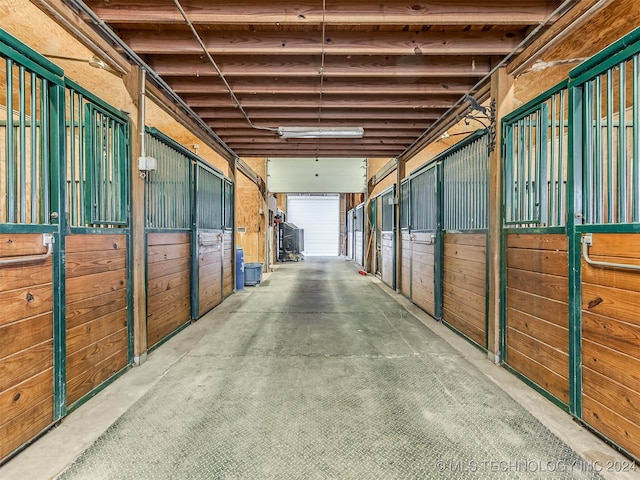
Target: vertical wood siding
x,y
405,274
168,284
611,341
96,286
227,262
422,272
465,284
388,260
209,271
538,311
26,343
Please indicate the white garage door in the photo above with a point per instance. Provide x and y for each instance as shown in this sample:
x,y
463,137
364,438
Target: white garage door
x,y
319,216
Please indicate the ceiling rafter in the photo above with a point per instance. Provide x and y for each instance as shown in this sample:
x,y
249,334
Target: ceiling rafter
x,y
396,68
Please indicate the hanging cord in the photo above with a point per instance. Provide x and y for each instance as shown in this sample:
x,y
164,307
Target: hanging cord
x,y
222,77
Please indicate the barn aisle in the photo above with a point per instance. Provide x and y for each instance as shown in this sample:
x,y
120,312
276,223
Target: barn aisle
x,y
318,373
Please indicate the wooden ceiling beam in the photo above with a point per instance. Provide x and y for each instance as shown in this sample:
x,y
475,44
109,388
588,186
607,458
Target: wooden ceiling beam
x,y
312,113
334,101
338,152
336,43
424,66
338,12
219,124
313,85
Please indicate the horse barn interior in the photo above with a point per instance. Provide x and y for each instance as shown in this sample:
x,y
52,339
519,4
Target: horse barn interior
x,y
481,159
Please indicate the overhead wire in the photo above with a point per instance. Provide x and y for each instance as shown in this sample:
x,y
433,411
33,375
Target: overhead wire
x,y
219,71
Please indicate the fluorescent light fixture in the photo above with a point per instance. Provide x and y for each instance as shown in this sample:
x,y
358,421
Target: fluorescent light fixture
x,y
321,132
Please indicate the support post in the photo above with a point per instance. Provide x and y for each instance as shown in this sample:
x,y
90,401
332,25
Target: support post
x,y
133,82
502,93
400,174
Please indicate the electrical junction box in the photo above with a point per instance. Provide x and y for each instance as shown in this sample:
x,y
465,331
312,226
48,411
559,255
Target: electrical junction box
x,y
147,164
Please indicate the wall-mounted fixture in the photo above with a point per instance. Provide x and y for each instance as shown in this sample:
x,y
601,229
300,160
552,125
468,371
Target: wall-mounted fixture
x,y
147,164
321,132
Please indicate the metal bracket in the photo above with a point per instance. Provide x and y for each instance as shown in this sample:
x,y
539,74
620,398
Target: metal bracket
x,y
486,117
587,241
47,241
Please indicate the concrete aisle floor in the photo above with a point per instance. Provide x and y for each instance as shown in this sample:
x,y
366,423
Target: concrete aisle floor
x,y
317,373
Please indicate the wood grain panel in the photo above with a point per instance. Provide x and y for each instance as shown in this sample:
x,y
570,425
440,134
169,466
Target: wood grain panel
x,y
471,326
388,259
537,314
169,284
550,262
619,245
548,333
611,340
25,396
26,342
21,276
547,379
210,258
19,244
168,321
611,302
405,275
19,430
535,241
228,263
458,274
550,286
96,308
612,395
359,237
547,309
171,238
611,424
79,264
95,243
80,288
615,365
464,297
468,253
551,358
25,364
160,253
94,375
21,335
25,302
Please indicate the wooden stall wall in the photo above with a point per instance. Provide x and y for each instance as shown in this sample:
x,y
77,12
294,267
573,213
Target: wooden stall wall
x,y
611,340
210,251
26,342
168,283
537,310
423,271
465,284
388,258
96,305
405,274
227,262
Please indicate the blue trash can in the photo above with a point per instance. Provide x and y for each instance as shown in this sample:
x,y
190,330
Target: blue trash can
x,y
252,274
239,268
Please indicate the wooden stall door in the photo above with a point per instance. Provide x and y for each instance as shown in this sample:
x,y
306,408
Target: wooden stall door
x,y
227,262
405,274
611,340
423,271
209,270
96,311
168,283
537,310
388,258
465,284
26,342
